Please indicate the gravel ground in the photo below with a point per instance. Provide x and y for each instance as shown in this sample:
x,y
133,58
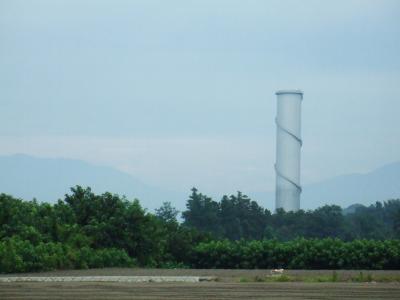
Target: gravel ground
x,y
221,274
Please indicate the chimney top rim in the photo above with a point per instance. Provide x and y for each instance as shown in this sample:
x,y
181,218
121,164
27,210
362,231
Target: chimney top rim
x,y
281,92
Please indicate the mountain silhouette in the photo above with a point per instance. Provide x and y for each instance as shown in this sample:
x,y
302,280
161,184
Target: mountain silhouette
x,y
49,179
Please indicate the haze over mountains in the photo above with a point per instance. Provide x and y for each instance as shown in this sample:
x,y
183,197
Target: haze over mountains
x,y
378,185
46,179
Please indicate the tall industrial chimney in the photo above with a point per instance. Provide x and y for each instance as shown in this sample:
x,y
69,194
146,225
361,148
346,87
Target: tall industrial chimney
x,y
288,145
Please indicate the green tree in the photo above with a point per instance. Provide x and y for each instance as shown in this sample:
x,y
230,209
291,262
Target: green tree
x,y
202,213
242,218
167,212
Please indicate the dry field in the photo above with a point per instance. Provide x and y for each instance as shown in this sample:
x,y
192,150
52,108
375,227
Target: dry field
x,y
229,285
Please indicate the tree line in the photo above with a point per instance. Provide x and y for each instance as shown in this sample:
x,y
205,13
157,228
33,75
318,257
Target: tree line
x,y
87,230
238,217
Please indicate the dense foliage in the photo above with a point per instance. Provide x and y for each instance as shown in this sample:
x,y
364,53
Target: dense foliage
x,y
85,230
299,254
238,217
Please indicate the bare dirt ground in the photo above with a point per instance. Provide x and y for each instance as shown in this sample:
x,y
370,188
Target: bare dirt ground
x,y
228,286
209,290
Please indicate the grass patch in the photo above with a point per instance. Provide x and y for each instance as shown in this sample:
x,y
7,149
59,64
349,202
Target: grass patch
x,y
333,277
259,279
387,278
280,278
322,278
363,278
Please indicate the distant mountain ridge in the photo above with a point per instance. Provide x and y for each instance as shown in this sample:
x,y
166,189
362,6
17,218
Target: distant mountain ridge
x,y
48,179
378,185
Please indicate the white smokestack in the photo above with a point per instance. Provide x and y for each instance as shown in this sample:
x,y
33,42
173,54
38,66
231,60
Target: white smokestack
x,y
288,145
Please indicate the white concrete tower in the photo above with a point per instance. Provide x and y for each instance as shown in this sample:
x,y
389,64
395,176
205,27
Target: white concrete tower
x,y
288,145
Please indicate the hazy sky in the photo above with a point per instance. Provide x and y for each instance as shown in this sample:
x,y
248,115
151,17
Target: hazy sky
x,y
181,93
